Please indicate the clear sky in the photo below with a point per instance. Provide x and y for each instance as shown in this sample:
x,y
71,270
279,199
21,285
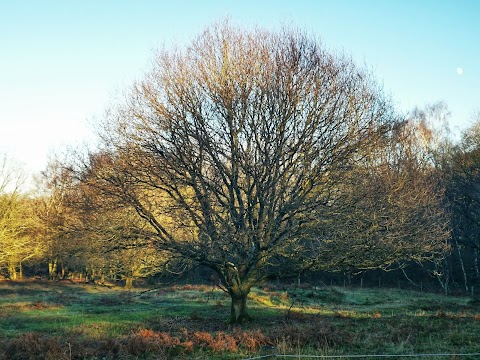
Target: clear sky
x,y
62,62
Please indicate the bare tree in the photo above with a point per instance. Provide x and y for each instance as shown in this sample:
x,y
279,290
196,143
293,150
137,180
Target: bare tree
x,y
390,209
231,148
12,176
462,175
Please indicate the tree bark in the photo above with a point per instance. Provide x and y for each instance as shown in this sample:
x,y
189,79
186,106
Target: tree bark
x,y
238,310
52,269
129,283
12,272
63,271
462,265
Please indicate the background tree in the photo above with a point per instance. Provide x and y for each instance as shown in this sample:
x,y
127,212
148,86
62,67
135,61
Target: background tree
x,y
462,173
231,149
91,234
389,211
59,221
17,222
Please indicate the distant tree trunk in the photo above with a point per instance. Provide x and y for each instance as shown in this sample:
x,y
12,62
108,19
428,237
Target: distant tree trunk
x,y
52,269
63,271
12,271
443,278
477,270
462,265
129,283
93,273
20,271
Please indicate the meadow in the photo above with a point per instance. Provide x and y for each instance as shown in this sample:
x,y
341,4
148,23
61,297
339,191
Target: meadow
x,y
61,320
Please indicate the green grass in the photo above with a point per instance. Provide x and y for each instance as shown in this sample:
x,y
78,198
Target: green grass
x,y
79,321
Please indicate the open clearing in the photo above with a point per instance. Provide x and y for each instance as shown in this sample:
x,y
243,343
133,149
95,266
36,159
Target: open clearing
x,y
48,320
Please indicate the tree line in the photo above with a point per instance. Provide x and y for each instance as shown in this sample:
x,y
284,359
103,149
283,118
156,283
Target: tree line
x,y
255,155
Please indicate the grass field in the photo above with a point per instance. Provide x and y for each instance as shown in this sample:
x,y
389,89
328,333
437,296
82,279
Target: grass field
x,y
81,321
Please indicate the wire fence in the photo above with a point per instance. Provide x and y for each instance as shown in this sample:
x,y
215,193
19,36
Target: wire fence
x,y
391,356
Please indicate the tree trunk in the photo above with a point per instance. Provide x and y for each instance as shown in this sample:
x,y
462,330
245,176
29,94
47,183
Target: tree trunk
x,y
462,266
52,269
237,284
12,272
63,271
129,283
238,310
477,270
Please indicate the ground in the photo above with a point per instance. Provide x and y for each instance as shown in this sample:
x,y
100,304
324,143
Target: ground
x,y
51,320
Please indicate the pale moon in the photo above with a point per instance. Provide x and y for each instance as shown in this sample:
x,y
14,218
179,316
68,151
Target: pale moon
x,y
459,71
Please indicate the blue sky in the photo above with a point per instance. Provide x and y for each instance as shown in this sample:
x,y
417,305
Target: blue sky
x,y
62,62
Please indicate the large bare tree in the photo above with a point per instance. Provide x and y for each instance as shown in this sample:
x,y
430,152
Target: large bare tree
x,y
230,148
